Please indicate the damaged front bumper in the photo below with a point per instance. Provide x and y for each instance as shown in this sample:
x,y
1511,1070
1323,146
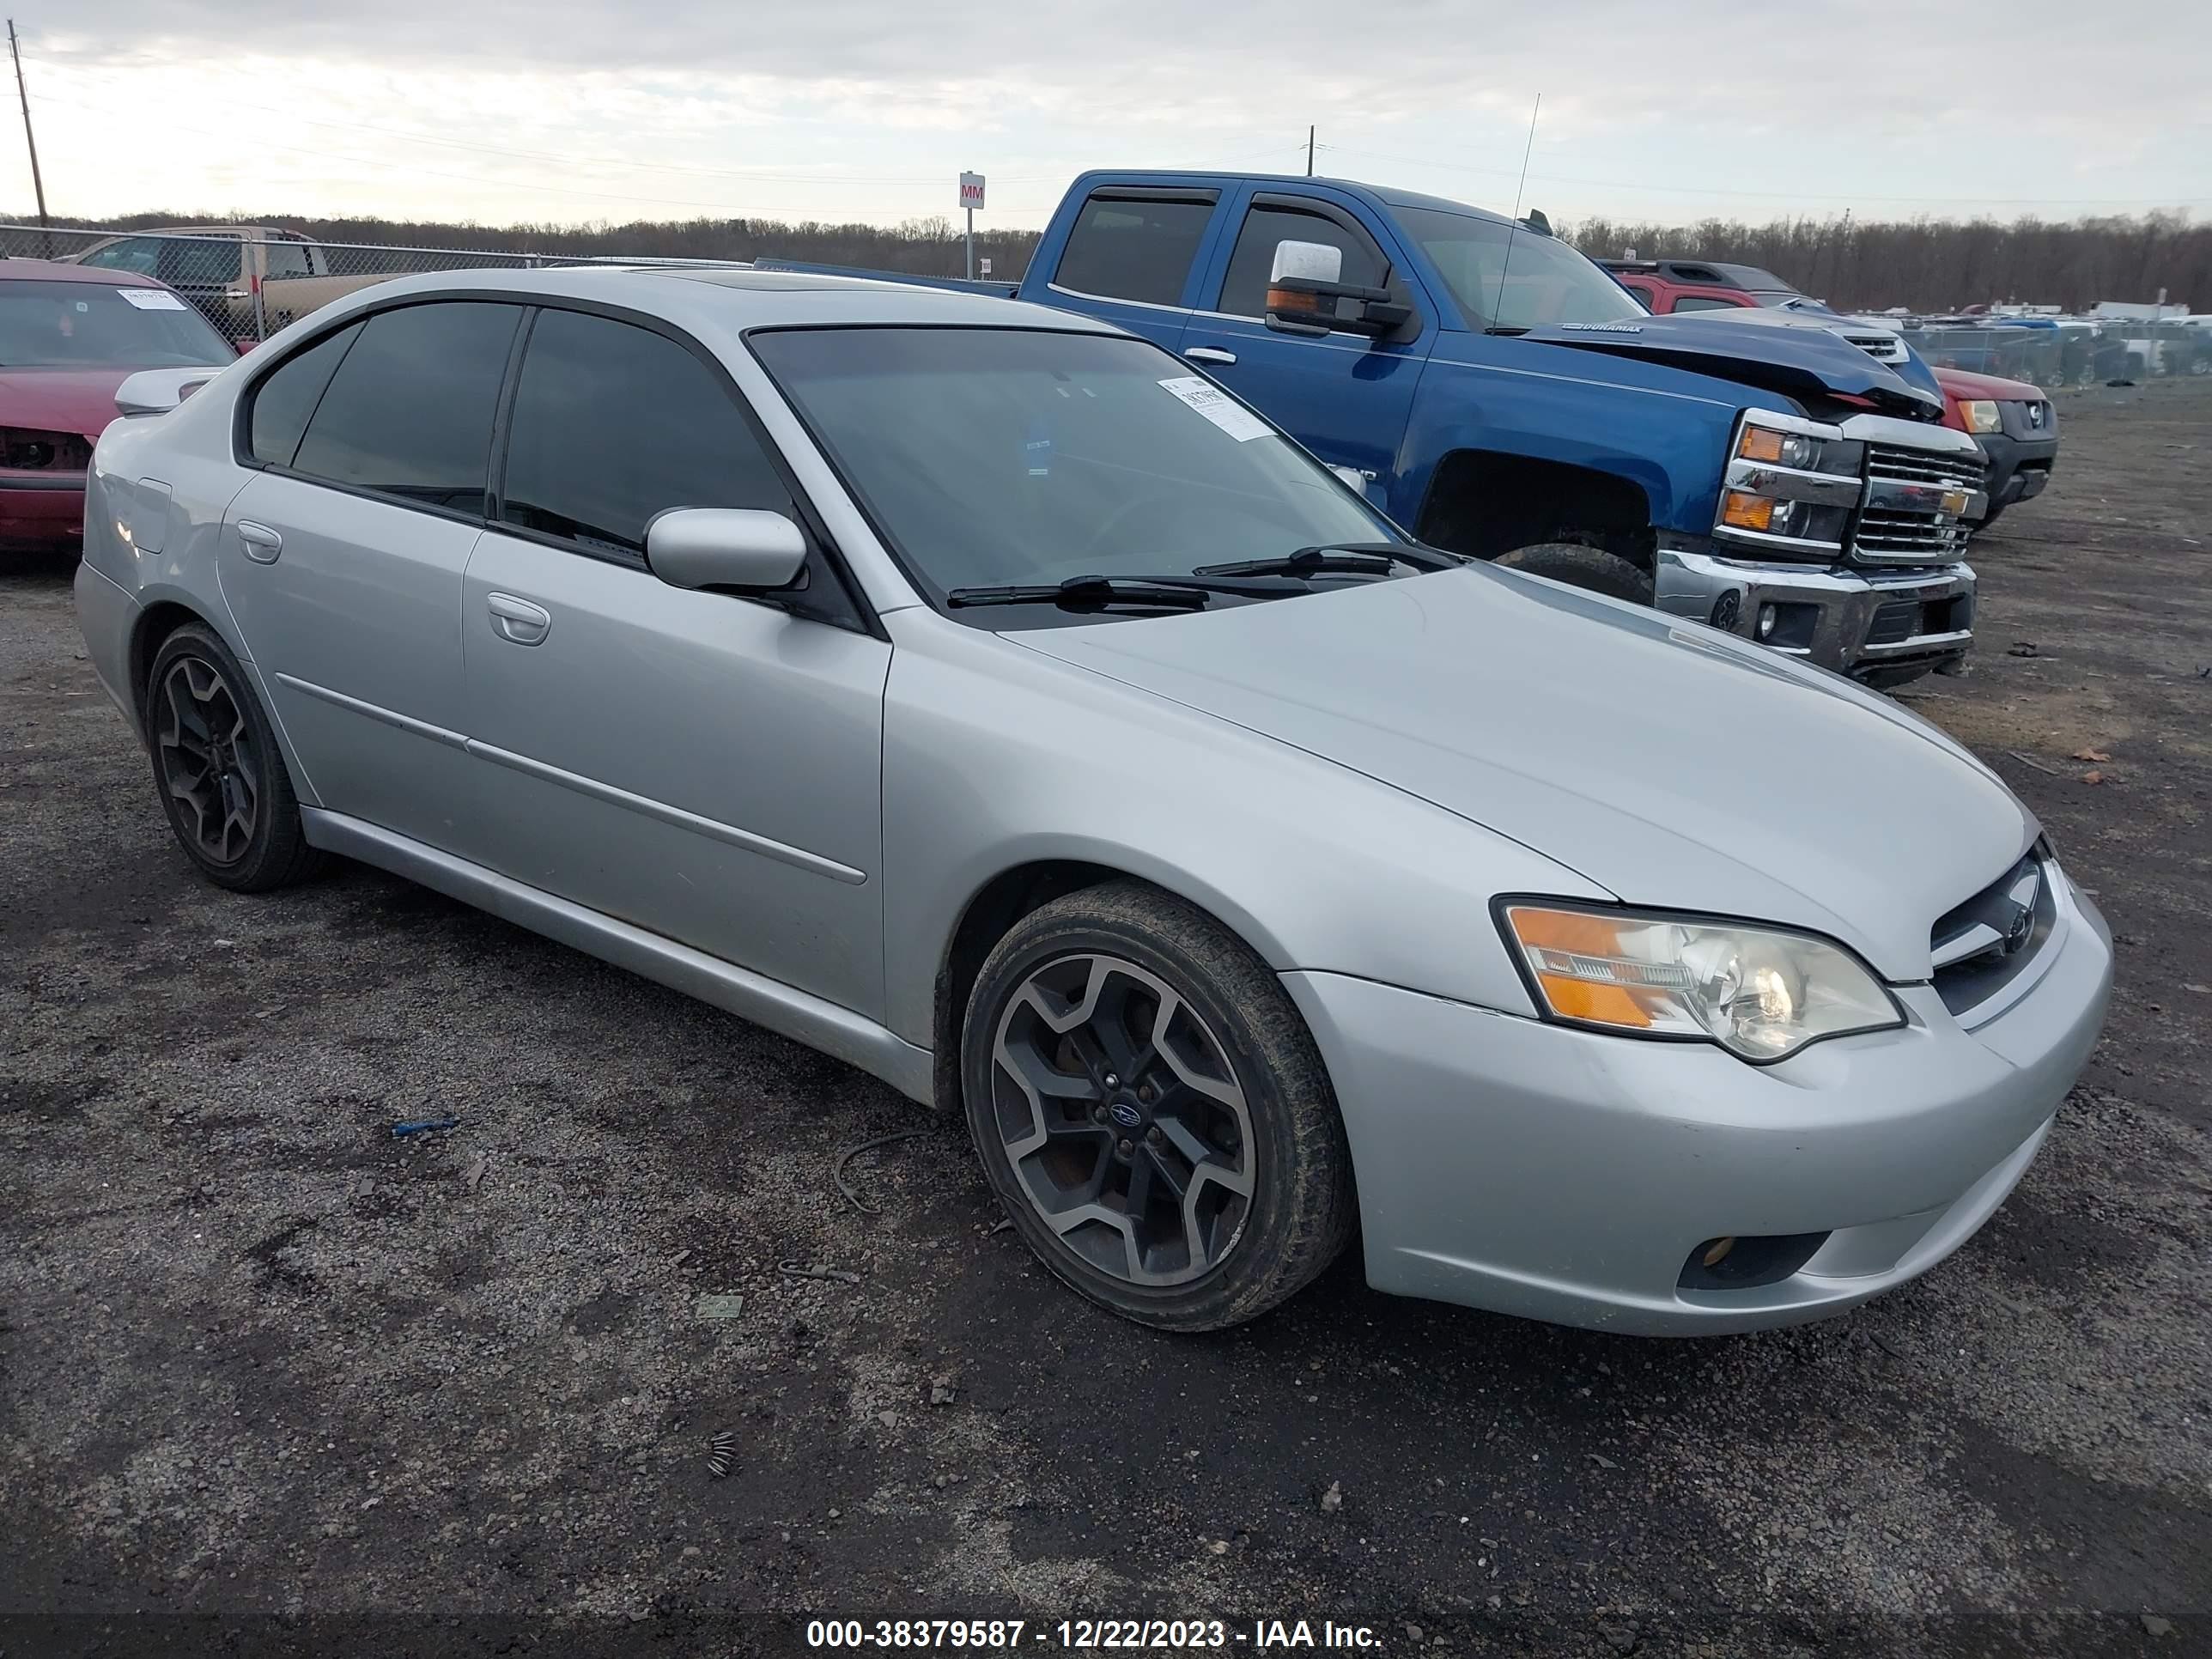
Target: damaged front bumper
x,y
1881,626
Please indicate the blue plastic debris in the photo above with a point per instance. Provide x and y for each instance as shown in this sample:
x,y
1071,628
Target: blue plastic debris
x,y
419,1126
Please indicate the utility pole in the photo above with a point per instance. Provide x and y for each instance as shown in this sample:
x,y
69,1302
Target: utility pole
x,y
1310,132
38,185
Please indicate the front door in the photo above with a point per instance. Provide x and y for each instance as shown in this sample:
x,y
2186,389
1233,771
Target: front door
x,y
1346,396
342,560
705,766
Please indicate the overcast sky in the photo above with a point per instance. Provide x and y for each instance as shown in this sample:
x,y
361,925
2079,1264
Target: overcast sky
x,y
502,111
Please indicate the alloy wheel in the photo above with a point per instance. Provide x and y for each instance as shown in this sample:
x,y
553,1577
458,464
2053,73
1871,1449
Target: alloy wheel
x,y
211,766
1123,1120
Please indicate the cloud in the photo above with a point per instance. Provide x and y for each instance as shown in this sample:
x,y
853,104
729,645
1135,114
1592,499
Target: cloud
x,y
579,108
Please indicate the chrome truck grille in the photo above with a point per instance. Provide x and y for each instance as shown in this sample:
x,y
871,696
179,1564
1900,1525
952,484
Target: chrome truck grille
x,y
1914,501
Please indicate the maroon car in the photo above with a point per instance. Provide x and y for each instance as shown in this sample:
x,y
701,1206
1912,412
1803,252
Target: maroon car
x,y
68,338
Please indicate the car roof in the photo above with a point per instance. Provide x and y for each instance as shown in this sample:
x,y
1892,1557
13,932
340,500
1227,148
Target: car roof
x,y
53,270
732,297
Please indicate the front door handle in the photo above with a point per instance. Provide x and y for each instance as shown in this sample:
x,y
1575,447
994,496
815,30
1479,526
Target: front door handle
x,y
518,621
1210,355
262,545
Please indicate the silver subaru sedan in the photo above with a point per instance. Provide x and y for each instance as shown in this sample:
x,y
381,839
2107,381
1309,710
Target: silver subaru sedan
x,y
987,698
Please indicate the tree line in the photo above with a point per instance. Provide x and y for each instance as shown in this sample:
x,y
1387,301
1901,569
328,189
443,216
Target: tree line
x,y
1940,264
1926,264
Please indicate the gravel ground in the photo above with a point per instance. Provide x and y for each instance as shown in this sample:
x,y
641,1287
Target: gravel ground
x,y
271,1381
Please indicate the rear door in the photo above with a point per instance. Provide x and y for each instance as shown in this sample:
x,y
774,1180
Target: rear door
x,y
341,558
703,765
1346,396
1132,257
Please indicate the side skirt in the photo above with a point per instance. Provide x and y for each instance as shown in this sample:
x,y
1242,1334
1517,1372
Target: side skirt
x,y
781,1008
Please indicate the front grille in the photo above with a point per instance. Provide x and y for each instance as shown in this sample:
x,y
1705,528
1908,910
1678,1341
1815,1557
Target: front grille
x,y
1882,347
1923,465
1981,946
1909,536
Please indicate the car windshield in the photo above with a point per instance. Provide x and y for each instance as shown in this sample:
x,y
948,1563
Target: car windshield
x,y
992,457
1542,282
94,325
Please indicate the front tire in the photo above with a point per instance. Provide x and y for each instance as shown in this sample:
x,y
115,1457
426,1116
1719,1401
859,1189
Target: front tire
x,y
1152,1111
218,769
1592,568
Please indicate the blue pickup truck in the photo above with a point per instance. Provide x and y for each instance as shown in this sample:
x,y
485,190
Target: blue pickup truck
x,y
1501,396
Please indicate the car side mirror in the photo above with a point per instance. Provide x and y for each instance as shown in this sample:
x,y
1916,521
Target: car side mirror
x,y
725,549
1305,295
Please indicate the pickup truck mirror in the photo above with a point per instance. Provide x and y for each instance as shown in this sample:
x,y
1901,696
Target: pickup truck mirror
x,y
1306,294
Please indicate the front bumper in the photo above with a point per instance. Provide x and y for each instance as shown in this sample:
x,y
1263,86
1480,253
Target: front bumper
x,y
1569,1176
2018,469
42,512
1877,624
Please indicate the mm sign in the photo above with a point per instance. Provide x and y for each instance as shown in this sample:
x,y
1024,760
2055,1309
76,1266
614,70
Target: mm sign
x,y
971,191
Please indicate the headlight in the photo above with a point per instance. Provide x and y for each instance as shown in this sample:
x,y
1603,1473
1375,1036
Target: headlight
x,y
1760,992
1982,416
1795,449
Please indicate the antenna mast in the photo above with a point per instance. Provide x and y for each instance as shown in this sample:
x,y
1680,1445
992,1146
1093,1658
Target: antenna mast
x,y
1513,230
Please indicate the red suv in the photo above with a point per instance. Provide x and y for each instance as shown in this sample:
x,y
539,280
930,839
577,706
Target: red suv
x,y
2012,420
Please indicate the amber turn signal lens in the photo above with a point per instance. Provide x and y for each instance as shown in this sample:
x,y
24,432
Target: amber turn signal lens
x,y
1586,936
1745,511
1760,444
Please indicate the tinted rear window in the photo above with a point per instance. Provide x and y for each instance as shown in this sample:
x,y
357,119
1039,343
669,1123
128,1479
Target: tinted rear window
x,y
283,402
1134,250
409,409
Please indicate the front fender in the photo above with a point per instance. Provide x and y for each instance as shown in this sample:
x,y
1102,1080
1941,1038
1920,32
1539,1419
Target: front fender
x,y
997,756
1662,430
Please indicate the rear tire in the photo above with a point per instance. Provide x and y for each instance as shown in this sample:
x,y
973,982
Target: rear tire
x,y
1152,1111
218,769
1591,569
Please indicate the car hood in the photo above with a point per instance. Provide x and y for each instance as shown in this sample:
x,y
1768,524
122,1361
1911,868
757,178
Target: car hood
x,y
80,400
1670,763
1963,383
1798,354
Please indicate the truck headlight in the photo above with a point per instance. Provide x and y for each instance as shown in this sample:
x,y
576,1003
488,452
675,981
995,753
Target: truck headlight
x,y
1982,416
1761,992
1795,449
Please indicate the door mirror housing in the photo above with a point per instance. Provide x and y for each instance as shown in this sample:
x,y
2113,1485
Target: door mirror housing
x,y
725,549
1306,296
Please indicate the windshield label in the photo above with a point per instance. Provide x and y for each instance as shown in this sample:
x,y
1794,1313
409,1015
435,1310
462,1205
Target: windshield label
x,y
151,299
1209,400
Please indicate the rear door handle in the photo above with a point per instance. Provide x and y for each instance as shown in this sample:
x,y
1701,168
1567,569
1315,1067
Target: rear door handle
x,y
262,543
1210,355
518,621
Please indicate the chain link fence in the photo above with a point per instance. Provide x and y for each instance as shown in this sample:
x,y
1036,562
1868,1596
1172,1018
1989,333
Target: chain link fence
x,y
2066,351
250,281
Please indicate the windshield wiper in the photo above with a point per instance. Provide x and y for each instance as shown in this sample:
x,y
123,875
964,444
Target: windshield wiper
x,y
1092,594
1337,559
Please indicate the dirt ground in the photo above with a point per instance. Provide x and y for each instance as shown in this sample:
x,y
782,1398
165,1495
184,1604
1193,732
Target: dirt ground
x,y
273,1380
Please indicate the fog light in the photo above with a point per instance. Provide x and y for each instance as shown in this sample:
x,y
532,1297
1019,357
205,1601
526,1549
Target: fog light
x,y
1716,1252
1765,620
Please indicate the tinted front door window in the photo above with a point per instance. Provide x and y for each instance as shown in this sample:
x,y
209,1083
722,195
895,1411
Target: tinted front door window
x,y
1244,291
614,423
1131,249
409,411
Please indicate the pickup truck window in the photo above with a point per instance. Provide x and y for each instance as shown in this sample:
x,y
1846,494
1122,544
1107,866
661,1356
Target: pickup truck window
x,y
286,260
1245,291
989,456
134,255
1546,281
1127,246
195,261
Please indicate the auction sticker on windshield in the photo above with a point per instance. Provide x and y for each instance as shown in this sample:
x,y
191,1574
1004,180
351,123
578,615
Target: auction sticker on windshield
x,y
1209,400
151,299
